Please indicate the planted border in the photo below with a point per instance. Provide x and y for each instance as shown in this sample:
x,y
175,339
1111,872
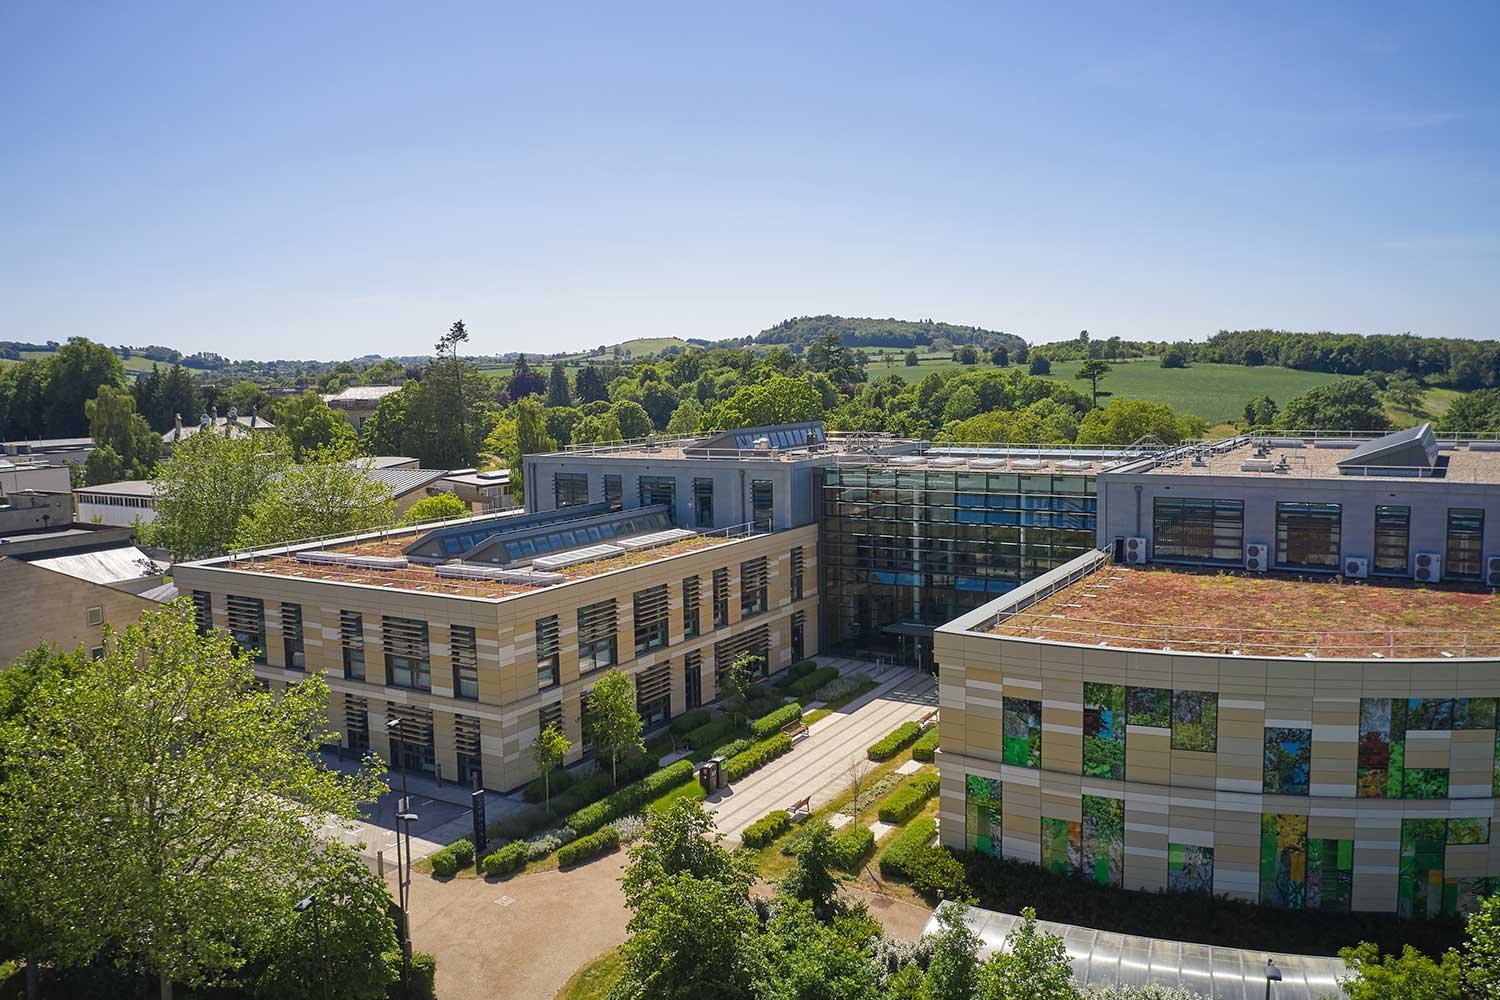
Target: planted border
x,y
506,861
773,723
767,828
895,741
908,798
926,747
631,798
757,756
599,842
900,852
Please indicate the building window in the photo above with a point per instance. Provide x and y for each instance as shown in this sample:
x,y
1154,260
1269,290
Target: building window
x,y
467,745
1465,554
464,646
752,587
1195,721
548,653
1287,769
653,695
721,598
692,671
596,636
660,490
703,502
614,492
356,722
408,657
550,715
1307,535
247,625
292,648
411,742
203,611
799,635
652,607
352,634
1198,530
571,489
761,493
755,642
1392,541
798,566
690,622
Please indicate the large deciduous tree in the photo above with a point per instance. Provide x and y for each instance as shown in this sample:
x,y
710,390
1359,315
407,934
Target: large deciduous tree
x,y
209,484
74,375
613,721
329,494
1350,404
1091,372
311,425
127,446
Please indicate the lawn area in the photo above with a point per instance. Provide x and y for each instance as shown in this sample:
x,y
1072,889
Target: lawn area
x,y
594,980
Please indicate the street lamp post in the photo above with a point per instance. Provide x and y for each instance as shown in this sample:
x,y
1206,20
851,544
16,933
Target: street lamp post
x,y
311,903
403,815
1273,975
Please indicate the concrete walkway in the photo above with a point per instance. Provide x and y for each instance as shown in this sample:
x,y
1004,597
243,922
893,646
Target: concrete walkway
x,y
818,766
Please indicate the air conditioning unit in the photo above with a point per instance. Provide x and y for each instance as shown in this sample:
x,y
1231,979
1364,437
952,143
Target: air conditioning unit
x,y
1135,551
1492,571
1257,556
1356,567
1428,567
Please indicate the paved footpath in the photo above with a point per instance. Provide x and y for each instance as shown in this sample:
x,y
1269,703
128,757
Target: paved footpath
x,y
818,766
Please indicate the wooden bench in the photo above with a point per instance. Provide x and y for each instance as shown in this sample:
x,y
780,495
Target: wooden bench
x,y
801,809
928,719
796,730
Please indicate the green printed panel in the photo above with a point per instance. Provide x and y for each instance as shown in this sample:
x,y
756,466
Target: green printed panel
x,y
1474,713
1190,868
1149,707
982,814
1420,888
1302,872
1288,761
1021,736
1468,831
1195,720
1103,834
1104,730
1061,846
1330,875
1429,713
1424,783
1382,745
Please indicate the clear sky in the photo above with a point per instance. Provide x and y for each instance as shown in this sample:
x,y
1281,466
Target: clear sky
x,y
325,180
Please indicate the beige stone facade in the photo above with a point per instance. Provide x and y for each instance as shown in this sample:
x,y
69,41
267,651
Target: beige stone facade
x,y
43,606
1348,837
509,708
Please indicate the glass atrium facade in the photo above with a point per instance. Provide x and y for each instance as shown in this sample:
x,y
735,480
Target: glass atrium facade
x,y
908,549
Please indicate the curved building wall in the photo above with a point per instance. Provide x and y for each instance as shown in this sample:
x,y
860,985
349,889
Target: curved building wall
x,y
1324,784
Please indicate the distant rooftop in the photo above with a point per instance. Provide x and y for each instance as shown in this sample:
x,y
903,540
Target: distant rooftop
x,y
1260,614
360,395
1411,454
221,425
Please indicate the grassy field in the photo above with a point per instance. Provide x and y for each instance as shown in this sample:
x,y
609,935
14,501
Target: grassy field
x,y
132,364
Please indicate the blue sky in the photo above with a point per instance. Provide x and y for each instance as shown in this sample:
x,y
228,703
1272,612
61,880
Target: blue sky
x,y
321,181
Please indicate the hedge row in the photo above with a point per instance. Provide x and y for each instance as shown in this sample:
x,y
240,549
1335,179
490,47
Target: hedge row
x,y
508,859
895,741
760,706
581,792
899,853
710,734
733,749
459,854
631,798
908,798
767,828
597,843
561,781
757,756
796,672
768,724
925,747
808,686
851,846
688,721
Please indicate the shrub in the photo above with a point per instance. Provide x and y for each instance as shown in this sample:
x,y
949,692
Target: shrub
x,y
510,858
688,721
757,756
908,798
802,668
842,687
586,790
734,749
710,734
631,828
561,780
935,871
926,747
899,852
540,846
767,828
768,724
851,846
761,706
631,798
459,854
895,741
423,975
599,842
805,687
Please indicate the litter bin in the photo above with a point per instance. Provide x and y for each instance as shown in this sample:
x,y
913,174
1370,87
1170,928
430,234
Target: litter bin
x,y
711,775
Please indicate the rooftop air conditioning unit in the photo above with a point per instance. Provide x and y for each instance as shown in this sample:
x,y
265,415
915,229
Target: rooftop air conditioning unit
x,y
1492,571
1257,557
1135,551
1356,567
1429,568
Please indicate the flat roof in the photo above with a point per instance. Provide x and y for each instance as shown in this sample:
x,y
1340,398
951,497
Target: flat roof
x,y
126,487
1274,459
1260,614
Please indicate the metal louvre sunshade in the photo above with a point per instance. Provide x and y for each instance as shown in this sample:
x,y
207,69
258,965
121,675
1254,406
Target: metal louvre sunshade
x,y
1104,958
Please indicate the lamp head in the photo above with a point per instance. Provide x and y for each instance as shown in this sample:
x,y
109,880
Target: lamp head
x,y
1273,974
304,904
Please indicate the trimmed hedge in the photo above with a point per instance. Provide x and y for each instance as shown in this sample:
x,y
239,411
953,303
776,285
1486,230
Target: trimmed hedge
x,y
710,734
898,854
895,741
802,668
908,798
583,791
806,687
688,721
934,872
734,749
631,798
562,780
459,854
767,828
768,724
926,747
851,846
761,706
597,843
508,859
757,756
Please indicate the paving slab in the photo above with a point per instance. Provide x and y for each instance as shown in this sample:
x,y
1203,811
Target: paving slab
x,y
910,767
880,829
